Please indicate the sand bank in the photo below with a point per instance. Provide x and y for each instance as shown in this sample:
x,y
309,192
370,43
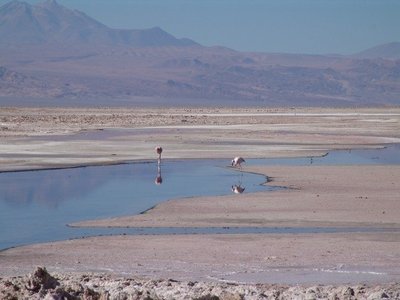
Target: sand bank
x,y
321,196
286,259
316,196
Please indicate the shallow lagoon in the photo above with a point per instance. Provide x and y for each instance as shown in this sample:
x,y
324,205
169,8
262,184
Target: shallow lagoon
x,y
35,206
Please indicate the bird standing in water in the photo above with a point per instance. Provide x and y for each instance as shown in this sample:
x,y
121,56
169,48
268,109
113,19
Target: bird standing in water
x,y
159,151
237,162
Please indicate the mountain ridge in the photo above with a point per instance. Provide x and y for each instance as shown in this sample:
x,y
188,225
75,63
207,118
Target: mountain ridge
x,y
49,51
387,50
51,23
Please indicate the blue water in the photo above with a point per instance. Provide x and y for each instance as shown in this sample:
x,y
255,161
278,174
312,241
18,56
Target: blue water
x,y
35,206
389,155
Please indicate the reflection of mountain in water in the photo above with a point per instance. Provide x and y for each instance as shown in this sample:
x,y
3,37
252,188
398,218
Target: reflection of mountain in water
x,y
35,206
51,187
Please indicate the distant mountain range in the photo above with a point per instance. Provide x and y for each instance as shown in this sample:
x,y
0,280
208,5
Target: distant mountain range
x,y
49,23
387,51
51,52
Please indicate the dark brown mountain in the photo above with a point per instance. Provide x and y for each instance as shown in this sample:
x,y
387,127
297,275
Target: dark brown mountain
x,y
50,52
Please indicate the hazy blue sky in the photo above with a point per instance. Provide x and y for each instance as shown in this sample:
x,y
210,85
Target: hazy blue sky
x,y
296,26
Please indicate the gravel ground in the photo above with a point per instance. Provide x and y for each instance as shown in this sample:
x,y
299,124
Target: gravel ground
x,y
42,285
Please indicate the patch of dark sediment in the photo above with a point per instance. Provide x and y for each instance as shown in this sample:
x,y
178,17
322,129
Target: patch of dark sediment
x,y
40,284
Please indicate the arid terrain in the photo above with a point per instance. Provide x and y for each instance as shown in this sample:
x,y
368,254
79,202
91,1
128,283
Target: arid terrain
x,y
357,264
75,92
46,55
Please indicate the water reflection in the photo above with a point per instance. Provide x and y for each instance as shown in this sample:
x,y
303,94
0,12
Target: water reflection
x,y
35,206
238,188
159,179
50,188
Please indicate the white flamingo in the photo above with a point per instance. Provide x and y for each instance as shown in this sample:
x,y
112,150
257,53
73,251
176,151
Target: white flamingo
x,y
237,161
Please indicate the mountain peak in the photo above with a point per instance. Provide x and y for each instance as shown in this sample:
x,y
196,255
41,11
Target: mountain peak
x,y
49,2
14,5
51,23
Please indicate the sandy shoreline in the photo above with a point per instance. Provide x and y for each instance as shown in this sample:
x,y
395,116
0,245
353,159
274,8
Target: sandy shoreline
x,y
359,196
322,197
317,196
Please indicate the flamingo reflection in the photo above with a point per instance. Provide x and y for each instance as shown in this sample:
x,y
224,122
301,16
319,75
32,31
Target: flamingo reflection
x,y
158,179
237,189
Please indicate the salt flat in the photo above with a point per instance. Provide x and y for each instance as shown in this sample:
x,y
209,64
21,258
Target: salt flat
x,y
357,196
58,137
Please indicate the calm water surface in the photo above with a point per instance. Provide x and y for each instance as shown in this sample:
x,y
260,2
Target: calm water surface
x,y
35,206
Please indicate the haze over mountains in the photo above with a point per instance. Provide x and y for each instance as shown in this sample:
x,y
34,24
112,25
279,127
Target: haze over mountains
x,y
51,23
49,51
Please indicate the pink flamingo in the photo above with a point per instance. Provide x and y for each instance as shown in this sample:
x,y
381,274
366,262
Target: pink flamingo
x,y
159,151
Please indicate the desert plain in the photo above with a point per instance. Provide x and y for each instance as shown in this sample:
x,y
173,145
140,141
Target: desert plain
x,y
358,264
